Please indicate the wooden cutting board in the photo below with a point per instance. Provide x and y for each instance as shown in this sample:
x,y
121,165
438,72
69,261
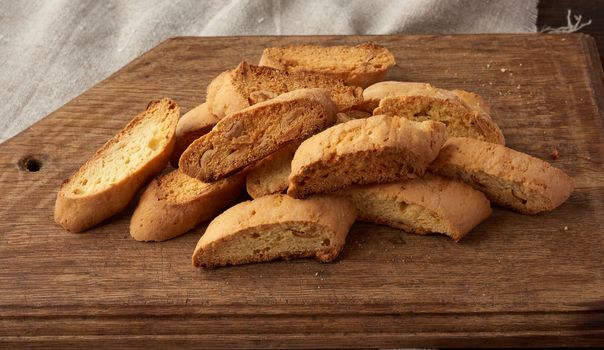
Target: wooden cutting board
x,y
515,280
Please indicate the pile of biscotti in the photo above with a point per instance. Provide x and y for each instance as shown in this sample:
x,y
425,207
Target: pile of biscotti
x,y
319,141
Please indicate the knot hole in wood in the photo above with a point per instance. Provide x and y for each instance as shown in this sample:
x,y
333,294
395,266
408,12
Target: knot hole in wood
x,y
30,163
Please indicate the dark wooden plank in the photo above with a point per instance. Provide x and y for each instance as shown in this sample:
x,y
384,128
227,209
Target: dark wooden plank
x,y
515,280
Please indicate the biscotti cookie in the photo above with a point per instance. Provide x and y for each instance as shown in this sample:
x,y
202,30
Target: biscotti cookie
x,y
270,175
460,120
175,203
364,151
376,92
191,126
509,178
465,113
247,84
360,65
430,204
373,94
108,181
274,227
251,134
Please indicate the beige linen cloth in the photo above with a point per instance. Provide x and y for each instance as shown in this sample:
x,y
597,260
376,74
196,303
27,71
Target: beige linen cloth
x,y
53,50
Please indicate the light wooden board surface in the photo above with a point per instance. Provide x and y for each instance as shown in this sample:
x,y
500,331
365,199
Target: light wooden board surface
x,y
515,280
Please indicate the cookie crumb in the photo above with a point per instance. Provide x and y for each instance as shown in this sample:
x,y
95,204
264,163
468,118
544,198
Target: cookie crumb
x,y
565,228
316,274
488,65
503,70
518,87
555,153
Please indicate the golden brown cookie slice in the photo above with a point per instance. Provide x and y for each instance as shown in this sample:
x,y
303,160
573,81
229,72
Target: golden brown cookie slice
x,y
276,227
509,178
430,204
108,181
364,151
460,120
271,175
247,85
251,134
373,94
360,65
175,203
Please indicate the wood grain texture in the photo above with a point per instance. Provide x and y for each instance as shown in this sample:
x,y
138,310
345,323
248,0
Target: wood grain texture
x,y
514,280
553,13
